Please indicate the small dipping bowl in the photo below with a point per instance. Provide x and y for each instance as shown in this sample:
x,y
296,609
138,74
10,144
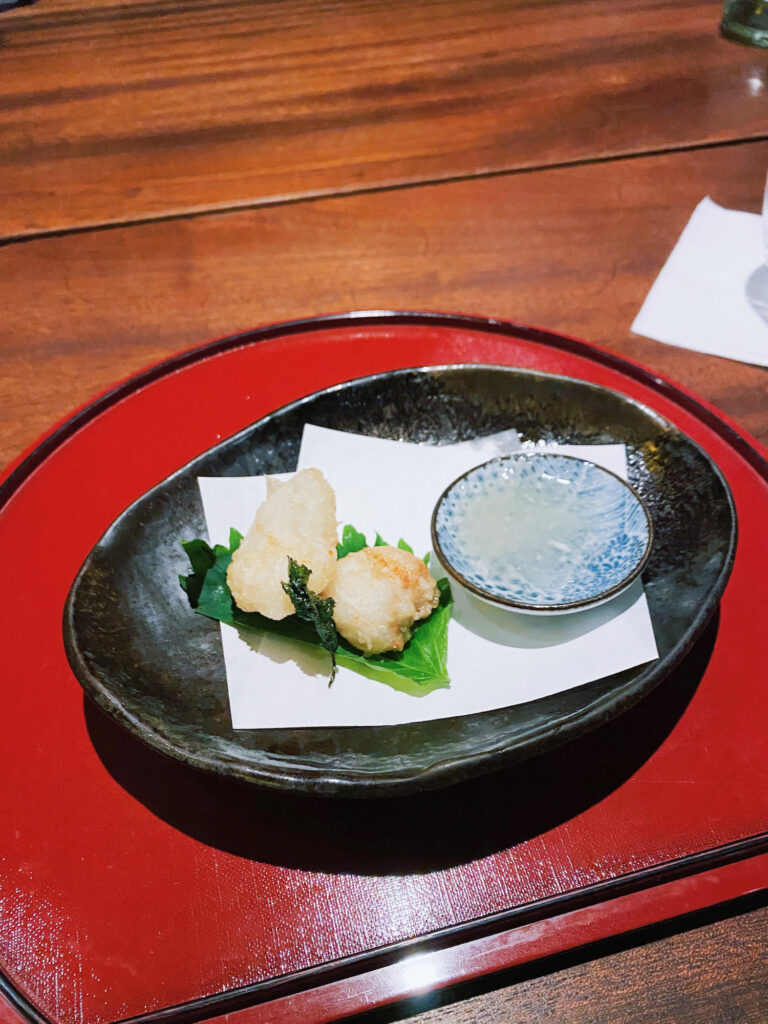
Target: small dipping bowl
x,y
539,532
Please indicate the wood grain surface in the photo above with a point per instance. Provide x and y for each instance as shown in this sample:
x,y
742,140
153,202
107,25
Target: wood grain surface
x,y
717,973
121,112
572,249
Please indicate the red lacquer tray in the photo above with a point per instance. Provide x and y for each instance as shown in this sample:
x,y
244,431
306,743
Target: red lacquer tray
x,y
132,886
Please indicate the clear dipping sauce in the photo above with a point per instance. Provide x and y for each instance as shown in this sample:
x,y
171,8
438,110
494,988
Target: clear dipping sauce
x,y
542,531
529,529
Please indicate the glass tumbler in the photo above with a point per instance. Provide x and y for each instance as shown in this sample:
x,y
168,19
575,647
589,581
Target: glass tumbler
x,y
747,21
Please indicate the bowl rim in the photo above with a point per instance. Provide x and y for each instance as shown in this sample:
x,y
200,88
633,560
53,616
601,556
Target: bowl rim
x,y
528,606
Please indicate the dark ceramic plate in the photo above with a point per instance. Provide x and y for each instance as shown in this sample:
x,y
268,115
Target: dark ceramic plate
x,y
158,669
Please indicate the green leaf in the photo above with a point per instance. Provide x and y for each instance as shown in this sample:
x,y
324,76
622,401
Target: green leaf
x,y
417,670
200,555
380,542
202,558
312,608
351,540
405,547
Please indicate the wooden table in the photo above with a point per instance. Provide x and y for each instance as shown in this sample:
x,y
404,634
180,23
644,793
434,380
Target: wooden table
x,y
174,172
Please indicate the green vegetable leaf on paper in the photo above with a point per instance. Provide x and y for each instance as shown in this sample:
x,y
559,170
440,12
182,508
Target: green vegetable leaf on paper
x,y
417,670
351,540
201,558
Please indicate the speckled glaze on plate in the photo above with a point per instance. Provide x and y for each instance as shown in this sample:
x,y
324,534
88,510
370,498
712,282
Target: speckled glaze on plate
x,y
158,669
542,533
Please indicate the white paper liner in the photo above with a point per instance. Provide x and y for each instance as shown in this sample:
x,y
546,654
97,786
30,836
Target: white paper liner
x,y
496,658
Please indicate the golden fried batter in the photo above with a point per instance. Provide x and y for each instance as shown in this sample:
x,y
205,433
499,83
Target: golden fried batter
x,y
379,593
297,520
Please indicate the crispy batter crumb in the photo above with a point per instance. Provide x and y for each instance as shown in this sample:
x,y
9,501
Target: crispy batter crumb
x,y
379,593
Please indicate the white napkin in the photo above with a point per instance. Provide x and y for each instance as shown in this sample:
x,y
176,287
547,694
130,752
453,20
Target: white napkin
x,y
496,658
712,293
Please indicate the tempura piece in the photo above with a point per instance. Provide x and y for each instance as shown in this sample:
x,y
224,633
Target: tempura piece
x,y
379,593
297,520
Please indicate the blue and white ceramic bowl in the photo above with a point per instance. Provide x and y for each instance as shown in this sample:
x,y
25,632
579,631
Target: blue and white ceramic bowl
x,y
540,532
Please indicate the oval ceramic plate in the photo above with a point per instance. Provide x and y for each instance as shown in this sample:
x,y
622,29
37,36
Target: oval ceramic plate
x,y
159,671
542,533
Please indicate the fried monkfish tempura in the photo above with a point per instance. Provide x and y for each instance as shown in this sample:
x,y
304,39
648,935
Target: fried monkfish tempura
x,y
297,520
379,593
